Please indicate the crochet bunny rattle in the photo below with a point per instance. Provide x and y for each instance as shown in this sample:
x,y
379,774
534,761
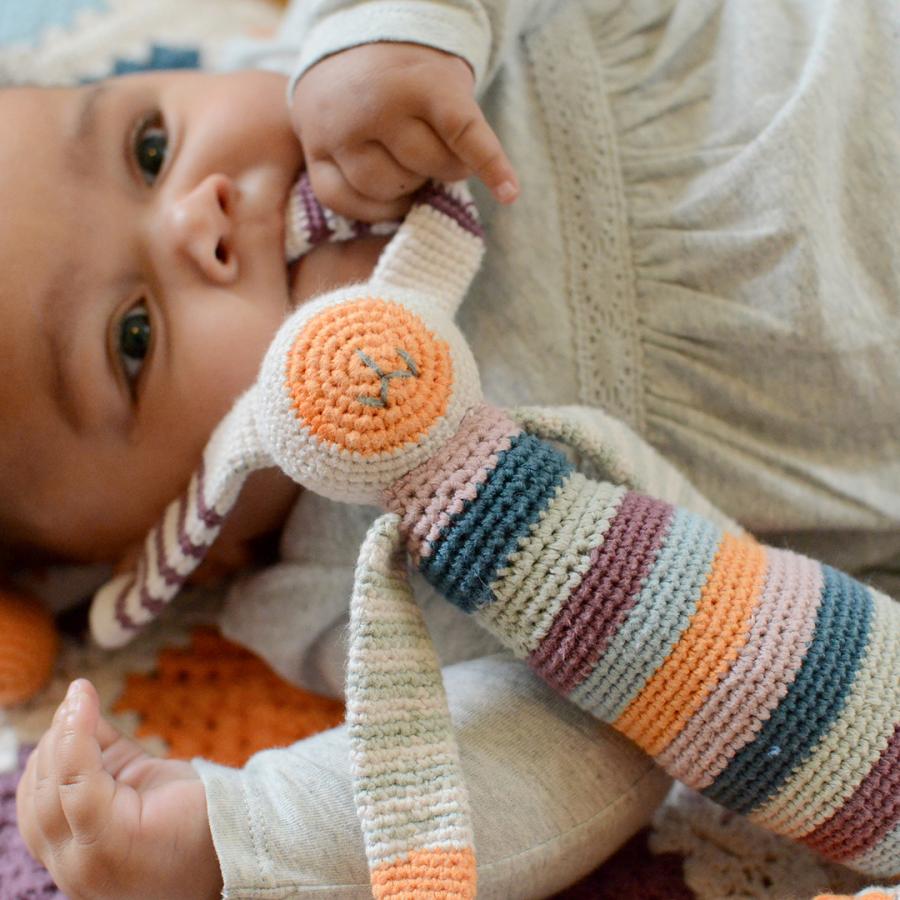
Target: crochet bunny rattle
x,y
766,680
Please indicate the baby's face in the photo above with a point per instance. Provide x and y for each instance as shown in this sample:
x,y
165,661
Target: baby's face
x,y
141,279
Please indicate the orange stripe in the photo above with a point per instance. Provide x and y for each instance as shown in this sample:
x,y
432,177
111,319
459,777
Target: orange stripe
x,y
867,895
710,644
444,874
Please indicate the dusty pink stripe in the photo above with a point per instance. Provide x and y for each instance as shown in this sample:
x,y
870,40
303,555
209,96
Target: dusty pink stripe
x,y
426,498
594,611
869,814
781,626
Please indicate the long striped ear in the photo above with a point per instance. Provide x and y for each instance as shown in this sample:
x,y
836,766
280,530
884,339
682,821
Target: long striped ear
x,y
407,780
178,543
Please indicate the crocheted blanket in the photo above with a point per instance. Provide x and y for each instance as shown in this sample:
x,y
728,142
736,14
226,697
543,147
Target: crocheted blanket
x,y
182,690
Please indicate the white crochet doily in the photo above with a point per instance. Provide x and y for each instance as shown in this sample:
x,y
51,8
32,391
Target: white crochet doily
x,y
727,856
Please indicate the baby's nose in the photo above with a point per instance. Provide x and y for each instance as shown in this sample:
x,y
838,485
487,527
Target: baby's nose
x,y
201,226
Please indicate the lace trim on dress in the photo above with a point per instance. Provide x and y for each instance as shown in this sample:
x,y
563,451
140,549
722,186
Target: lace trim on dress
x,y
600,276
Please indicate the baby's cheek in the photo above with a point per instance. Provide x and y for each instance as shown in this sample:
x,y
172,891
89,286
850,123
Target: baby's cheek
x,y
330,266
262,508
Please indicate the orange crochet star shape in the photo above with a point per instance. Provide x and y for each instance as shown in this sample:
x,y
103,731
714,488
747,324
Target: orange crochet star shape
x,y
216,700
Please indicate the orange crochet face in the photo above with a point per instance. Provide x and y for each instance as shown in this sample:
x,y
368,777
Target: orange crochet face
x,y
368,376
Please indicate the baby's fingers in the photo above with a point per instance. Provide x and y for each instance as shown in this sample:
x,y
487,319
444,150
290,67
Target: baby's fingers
x,y
374,173
49,817
27,815
86,789
336,193
468,135
417,147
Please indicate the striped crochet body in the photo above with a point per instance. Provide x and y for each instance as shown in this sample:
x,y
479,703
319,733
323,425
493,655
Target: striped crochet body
x,y
766,680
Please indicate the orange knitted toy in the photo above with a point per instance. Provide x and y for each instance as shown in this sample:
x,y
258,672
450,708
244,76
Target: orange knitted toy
x,y
28,647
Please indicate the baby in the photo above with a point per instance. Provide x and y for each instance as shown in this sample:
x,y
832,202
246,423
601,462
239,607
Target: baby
x,y
690,252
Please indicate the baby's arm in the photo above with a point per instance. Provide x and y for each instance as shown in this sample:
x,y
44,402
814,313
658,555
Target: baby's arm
x,y
285,824
552,794
110,821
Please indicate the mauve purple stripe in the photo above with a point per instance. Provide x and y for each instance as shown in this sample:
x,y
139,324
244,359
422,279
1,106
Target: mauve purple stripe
x,y
319,232
435,195
152,604
145,600
187,546
208,516
122,617
595,610
870,812
170,576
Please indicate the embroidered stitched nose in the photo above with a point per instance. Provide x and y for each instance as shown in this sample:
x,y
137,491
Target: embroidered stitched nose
x,y
382,399
369,376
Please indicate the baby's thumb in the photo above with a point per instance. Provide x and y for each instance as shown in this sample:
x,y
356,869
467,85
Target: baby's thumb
x,y
85,788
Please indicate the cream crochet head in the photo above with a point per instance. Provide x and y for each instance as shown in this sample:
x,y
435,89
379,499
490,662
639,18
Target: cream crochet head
x,y
359,387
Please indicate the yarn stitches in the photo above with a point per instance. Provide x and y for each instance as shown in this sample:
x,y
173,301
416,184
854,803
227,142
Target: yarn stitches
x,y
766,680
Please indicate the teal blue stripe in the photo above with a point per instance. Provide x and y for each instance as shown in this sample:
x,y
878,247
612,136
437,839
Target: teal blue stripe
x,y
665,606
479,539
813,701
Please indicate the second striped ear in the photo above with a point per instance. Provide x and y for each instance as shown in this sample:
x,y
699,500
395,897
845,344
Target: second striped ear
x,y
179,542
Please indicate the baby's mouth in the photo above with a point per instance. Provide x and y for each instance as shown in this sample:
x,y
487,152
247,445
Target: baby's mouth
x,y
293,272
293,236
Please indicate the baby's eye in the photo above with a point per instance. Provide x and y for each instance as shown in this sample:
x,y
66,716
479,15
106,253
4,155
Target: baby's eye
x,y
151,140
134,341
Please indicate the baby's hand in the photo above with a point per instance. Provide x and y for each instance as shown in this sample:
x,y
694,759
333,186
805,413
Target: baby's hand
x,y
377,121
110,821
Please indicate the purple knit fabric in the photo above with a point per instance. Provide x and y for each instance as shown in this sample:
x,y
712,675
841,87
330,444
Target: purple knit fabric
x,y
610,588
21,878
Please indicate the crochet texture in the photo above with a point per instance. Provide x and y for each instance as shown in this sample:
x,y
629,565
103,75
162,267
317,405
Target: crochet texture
x,y
766,680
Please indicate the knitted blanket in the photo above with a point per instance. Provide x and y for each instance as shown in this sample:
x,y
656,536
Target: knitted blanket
x,y
182,690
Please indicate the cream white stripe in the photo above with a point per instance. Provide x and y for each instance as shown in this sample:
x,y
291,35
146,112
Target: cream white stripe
x,y
550,562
